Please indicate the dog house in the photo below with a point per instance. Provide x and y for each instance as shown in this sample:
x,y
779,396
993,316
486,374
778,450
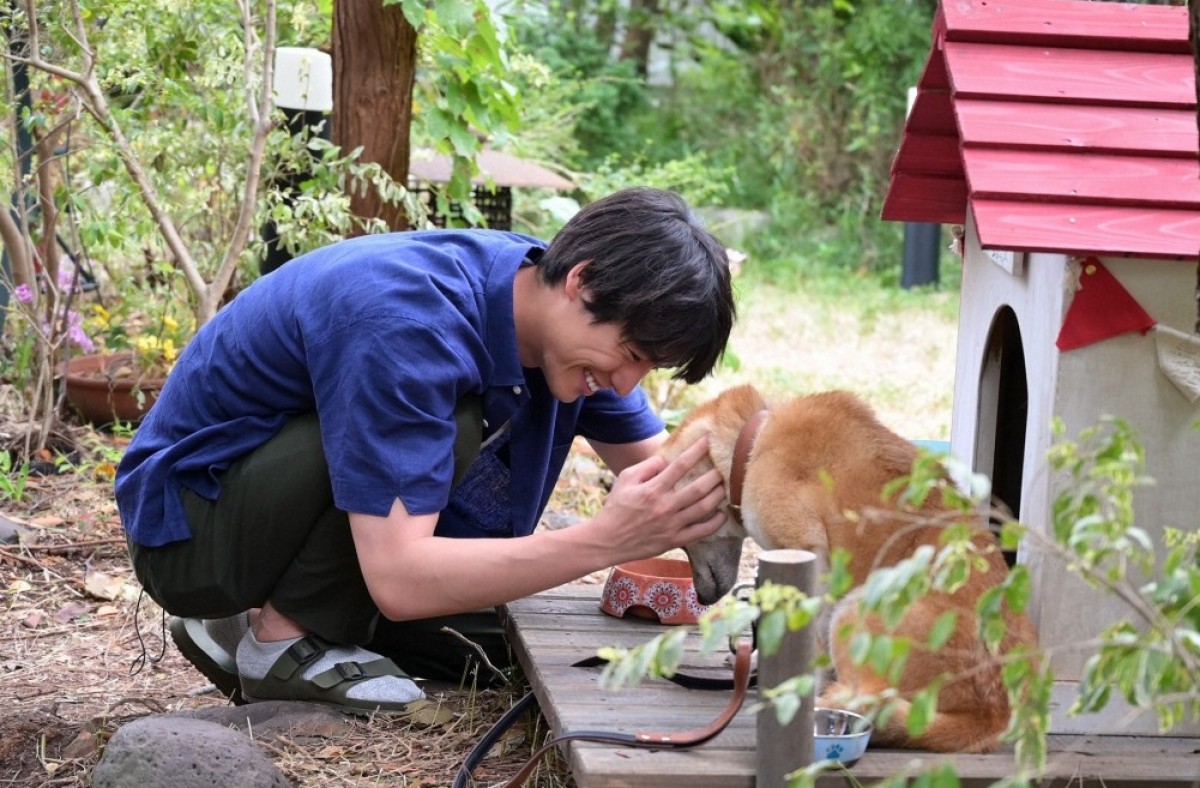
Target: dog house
x,y
1060,136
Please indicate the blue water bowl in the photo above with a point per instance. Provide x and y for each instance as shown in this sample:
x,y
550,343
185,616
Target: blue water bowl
x,y
839,735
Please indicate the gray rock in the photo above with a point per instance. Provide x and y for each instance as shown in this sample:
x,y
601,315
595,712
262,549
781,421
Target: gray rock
x,y
271,718
181,752
10,532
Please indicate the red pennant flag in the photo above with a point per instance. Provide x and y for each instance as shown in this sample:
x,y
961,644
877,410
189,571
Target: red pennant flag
x,y
1102,308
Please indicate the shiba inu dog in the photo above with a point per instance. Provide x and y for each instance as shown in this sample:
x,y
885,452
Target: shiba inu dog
x,y
810,473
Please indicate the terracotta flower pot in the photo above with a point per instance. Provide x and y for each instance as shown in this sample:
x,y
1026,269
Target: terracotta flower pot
x,y
105,388
655,588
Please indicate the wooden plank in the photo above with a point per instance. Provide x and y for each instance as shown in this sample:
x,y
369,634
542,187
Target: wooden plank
x,y
612,767
1045,126
1086,178
1141,79
589,640
601,767
572,699
1113,26
623,719
921,198
1087,229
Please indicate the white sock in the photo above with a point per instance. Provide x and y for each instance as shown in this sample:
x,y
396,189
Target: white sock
x,y
255,660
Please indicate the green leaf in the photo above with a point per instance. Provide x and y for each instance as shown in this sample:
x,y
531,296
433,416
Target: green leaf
x,y
786,705
840,579
771,629
1017,589
883,650
943,776
921,710
942,629
456,16
860,648
414,11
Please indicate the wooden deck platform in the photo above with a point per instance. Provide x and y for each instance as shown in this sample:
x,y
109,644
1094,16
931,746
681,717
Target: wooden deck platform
x,y
551,631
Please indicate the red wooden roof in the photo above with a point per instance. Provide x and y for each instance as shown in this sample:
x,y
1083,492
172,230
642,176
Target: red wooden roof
x,y
1063,125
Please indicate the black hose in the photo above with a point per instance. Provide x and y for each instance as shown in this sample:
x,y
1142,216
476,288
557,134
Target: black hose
x,y
480,750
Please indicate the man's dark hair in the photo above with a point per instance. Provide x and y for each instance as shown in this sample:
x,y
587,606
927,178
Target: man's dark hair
x,y
652,268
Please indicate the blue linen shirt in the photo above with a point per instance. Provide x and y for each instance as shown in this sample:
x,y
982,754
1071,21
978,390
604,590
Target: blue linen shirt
x,y
381,336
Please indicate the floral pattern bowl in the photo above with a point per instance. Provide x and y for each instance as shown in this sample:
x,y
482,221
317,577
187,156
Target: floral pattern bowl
x,y
659,589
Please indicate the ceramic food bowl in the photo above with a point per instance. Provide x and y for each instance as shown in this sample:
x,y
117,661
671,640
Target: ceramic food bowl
x,y
654,588
839,735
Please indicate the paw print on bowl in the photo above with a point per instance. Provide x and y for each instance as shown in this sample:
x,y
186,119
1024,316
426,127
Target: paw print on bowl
x,y
659,589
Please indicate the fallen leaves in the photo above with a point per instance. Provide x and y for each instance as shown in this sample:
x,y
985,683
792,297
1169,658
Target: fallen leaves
x,y
103,585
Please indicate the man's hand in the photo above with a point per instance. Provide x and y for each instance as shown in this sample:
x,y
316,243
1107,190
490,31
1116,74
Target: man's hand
x,y
646,515
413,574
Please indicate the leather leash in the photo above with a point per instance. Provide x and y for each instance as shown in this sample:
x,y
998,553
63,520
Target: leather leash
x,y
653,740
741,458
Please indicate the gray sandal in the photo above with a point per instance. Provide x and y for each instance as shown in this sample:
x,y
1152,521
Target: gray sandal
x,y
209,657
286,681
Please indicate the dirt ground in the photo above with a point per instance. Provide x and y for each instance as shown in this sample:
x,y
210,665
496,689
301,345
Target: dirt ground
x,y
79,656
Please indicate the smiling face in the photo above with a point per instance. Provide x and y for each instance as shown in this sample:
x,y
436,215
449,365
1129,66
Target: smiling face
x,y
578,356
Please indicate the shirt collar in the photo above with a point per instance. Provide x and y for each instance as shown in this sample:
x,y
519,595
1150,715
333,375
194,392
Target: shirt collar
x,y
501,337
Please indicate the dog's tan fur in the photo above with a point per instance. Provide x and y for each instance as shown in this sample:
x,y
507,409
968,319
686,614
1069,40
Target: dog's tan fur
x,y
817,458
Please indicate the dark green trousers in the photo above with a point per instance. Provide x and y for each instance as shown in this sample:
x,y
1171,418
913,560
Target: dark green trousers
x,y
275,535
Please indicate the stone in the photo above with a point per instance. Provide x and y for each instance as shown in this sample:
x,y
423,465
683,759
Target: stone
x,y
11,532
180,752
270,718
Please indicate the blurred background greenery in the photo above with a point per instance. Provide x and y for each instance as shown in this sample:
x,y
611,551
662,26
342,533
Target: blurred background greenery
x,y
145,160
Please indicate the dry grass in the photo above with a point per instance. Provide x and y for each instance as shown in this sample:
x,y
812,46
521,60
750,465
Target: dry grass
x,y
72,628
73,634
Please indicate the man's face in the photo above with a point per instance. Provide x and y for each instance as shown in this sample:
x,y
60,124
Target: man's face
x,y
581,357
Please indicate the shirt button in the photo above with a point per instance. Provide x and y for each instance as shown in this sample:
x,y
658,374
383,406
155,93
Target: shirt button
x,y
516,389
485,424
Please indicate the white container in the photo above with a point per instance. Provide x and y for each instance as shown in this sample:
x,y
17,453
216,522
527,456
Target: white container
x,y
303,79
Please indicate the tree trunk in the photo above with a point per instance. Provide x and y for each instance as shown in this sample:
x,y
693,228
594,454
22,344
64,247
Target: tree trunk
x,y
606,22
374,67
643,14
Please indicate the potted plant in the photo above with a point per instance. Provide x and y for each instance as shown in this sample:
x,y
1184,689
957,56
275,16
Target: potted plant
x,y
134,354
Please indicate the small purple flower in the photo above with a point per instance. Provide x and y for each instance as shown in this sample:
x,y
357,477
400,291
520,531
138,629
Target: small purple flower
x,y
66,281
76,333
23,293
81,339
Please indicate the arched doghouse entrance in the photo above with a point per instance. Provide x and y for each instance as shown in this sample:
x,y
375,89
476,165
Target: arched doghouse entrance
x,y
1003,412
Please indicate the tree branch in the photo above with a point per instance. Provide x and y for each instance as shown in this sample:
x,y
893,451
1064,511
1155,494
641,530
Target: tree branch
x,y
96,104
17,245
261,116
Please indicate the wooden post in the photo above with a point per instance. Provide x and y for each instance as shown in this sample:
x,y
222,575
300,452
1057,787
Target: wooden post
x,y
783,749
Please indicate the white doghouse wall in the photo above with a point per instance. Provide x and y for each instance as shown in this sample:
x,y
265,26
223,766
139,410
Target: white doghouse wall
x,y
1021,313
